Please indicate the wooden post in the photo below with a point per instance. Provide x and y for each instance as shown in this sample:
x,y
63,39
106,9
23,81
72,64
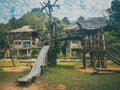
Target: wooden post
x,y
99,58
10,52
84,60
99,49
18,54
27,52
70,49
89,42
103,51
52,52
94,63
91,59
84,49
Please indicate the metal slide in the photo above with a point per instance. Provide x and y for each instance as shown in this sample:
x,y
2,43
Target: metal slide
x,y
36,70
114,59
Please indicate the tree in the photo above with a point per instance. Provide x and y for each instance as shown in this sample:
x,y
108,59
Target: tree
x,y
81,18
38,21
66,20
114,18
3,34
13,23
114,11
113,28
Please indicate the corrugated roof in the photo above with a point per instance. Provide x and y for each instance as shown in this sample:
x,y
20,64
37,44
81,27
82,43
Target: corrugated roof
x,y
93,23
23,29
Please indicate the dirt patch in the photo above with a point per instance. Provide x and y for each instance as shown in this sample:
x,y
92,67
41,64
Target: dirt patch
x,y
16,69
38,85
84,70
61,87
90,70
114,68
14,86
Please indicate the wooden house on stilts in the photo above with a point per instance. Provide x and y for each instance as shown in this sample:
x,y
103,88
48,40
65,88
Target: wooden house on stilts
x,y
23,41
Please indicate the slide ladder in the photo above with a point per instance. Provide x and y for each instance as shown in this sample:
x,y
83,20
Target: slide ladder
x,y
36,70
111,57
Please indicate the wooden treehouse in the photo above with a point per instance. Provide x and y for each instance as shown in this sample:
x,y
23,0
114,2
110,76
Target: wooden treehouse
x,y
23,41
92,40
87,39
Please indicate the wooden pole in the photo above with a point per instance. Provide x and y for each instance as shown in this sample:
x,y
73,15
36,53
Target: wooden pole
x,y
84,60
91,58
103,50
52,52
10,53
94,63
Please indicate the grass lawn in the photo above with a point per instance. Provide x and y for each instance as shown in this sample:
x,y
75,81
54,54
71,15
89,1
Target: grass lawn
x,y
64,73
10,76
9,63
72,79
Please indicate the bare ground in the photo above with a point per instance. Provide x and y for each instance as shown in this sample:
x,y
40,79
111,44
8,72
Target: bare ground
x,y
38,85
16,69
90,70
34,86
79,68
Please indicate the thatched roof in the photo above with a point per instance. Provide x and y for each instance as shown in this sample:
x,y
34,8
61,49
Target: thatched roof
x,y
23,29
92,24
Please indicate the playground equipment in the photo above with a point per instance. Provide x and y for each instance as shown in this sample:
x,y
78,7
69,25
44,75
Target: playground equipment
x,y
36,70
111,57
90,34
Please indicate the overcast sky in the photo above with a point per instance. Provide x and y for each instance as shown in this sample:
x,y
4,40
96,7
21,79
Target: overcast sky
x,y
68,8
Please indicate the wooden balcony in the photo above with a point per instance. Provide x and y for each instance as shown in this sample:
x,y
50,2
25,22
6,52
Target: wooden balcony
x,y
21,47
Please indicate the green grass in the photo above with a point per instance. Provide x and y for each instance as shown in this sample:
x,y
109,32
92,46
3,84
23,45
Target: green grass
x,y
65,74
4,64
10,76
110,63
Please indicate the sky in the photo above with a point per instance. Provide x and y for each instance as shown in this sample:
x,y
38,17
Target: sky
x,y
68,8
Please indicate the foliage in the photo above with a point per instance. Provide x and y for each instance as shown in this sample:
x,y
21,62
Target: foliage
x,y
66,20
114,11
112,36
114,21
61,55
109,38
5,63
3,34
37,20
81,18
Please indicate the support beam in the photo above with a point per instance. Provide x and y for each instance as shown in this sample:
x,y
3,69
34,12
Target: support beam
x,y
84,60
18,54
91,59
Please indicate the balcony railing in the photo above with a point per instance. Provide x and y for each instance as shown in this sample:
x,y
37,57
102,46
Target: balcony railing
x,y
18,47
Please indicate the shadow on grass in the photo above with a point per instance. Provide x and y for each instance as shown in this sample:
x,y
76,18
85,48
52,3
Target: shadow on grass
x,y
65,66
25,84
